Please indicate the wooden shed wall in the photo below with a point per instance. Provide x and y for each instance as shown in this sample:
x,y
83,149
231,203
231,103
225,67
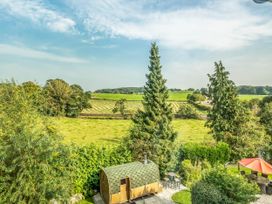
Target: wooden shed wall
x,y
138,192
104,187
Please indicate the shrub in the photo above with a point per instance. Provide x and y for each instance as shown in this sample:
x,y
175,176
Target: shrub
x,y
234,187
195,97
205,193
192,173
199,152
187,111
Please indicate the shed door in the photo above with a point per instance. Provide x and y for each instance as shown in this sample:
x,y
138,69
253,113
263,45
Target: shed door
x,y
124,190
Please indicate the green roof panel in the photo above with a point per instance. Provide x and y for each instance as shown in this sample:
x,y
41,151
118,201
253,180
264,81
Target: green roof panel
x,y
139,174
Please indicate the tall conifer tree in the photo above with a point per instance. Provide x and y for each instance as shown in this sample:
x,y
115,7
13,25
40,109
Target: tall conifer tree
x,y
152,133
229,120
227,114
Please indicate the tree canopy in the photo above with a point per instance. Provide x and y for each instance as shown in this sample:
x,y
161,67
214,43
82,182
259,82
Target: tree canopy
x,y
34,165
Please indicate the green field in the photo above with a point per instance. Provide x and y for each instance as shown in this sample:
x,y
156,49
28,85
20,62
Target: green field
x,y
106,106
108,132
173,96
249,97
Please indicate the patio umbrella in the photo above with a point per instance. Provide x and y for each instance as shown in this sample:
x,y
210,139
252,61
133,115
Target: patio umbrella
x,y
257,164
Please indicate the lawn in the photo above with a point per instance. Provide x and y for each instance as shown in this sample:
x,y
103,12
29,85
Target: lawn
x,y
108,132
173,96
182,197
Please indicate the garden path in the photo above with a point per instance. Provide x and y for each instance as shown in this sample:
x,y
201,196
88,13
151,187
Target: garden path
x,y
264,199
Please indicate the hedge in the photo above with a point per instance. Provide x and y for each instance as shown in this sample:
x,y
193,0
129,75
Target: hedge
x,y
199,152
89,160
205,193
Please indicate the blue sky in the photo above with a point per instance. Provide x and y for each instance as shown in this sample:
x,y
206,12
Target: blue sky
x,y
105,43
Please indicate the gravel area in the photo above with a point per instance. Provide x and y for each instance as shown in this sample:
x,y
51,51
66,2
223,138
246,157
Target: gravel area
x,y
264,199
167,193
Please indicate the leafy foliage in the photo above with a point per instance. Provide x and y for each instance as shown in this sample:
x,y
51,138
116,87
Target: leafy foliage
x,y
206,193
195,97
34,167
200,152
89,161
120,106
232,187
191,173
266,117
187,111
152,133
63,99
77,101
255,90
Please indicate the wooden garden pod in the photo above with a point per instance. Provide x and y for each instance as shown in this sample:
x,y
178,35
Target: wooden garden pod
x,y
122,183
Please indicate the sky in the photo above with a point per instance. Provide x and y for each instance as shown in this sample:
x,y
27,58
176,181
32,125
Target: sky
x,y
105,43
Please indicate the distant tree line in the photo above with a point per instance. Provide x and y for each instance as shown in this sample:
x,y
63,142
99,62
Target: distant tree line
x,y
122,90
244,89
255,90
129,90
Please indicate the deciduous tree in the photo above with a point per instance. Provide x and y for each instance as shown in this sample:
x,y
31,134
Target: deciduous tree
x,y
34,165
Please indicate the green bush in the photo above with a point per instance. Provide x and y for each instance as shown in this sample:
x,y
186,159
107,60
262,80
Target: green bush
x,y
192,173
205,193
90,159
199,152
187,111
195,97
233,187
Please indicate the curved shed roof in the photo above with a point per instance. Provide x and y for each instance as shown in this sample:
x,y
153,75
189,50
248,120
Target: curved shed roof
x,y
139,174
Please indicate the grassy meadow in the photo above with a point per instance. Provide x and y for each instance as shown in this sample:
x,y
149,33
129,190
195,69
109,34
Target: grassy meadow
x,y
109,132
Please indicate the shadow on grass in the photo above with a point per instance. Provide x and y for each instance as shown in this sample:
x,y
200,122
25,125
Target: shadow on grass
x,y
111,140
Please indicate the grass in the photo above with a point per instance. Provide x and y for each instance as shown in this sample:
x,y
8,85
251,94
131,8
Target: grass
x,y
173,96
110,132
182,197
249,97
87,201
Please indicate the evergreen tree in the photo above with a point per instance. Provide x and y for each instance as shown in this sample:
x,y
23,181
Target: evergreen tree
x,y
227,114
229,120
152,133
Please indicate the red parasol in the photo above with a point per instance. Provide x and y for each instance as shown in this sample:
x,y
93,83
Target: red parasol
x,y
257,164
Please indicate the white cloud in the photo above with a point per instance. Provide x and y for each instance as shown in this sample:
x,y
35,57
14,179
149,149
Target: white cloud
x,y
37,12
26,52
216,25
